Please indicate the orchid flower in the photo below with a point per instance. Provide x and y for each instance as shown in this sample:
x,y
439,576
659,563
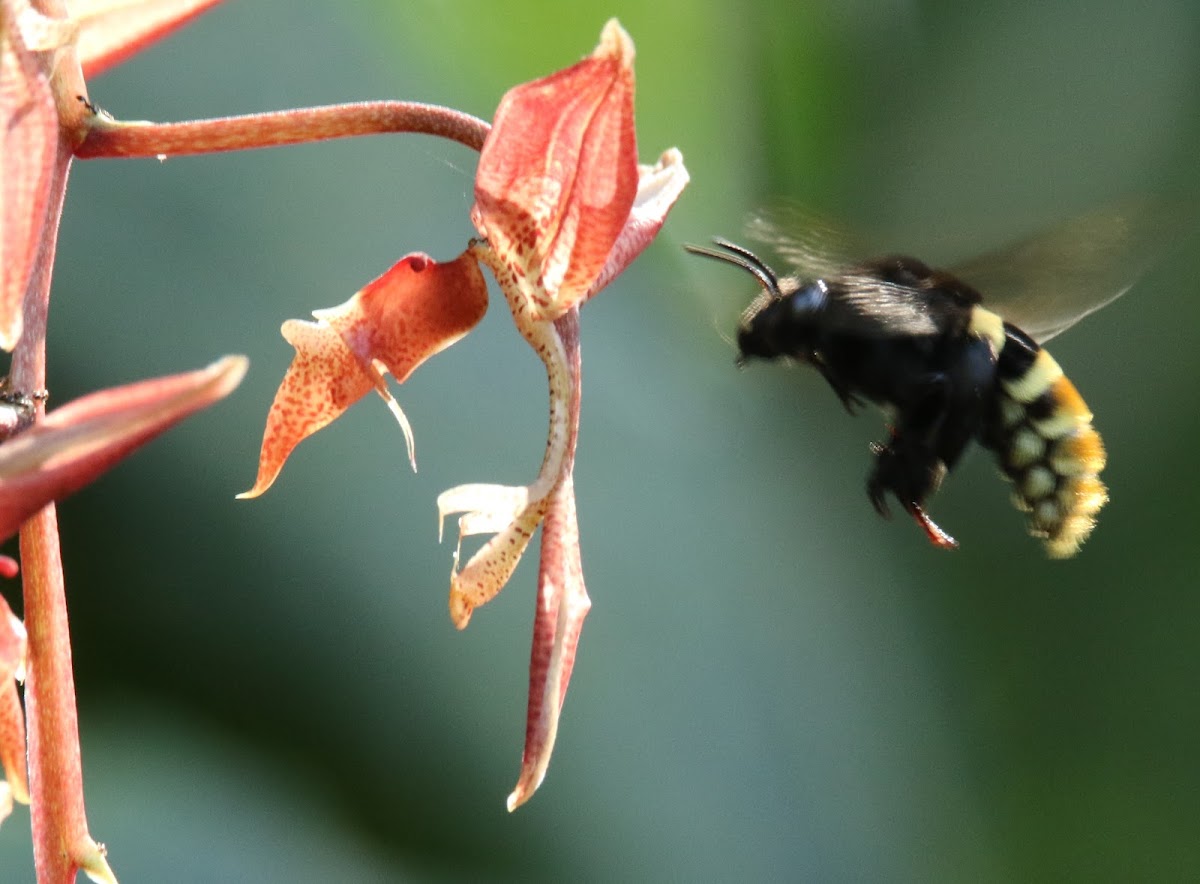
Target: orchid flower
x,y
562,207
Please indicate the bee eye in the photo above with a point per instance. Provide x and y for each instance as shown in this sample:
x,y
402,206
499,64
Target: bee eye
x,y
809,300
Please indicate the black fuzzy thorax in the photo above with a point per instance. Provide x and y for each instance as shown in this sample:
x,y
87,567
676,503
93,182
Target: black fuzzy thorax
x,y
894,333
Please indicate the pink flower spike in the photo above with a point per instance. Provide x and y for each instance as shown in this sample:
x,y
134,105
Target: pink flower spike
x,y
76,443
112,30
413,311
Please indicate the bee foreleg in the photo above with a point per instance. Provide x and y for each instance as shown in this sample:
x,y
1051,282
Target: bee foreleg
x,y
849,400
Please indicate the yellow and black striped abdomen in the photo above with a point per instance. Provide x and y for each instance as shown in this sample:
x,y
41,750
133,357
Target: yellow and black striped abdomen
x,y
1041,431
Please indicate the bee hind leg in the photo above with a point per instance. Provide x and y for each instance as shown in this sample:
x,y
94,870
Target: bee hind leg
x,y
911,473
936,534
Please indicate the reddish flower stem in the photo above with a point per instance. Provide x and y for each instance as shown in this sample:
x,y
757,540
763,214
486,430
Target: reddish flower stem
x,y
110,138
60,834
56,773
61,841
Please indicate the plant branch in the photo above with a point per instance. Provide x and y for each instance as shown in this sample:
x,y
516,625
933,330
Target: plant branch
x,y
106,137
61,843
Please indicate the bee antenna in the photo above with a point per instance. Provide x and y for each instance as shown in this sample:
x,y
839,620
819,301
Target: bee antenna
x,y
742,257
725,337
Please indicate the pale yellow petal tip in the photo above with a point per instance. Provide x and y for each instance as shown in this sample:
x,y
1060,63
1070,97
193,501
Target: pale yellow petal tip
x,y
670,158
225,374
261,486
615,42
19,792
523,792
6,800
10,337
92,862
230,369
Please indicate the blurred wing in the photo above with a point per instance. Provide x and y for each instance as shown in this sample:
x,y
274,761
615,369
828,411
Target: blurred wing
x,y
1050,281
863,304
812,246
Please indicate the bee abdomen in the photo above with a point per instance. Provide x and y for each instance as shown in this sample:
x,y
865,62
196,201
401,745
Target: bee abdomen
x,y
1042,433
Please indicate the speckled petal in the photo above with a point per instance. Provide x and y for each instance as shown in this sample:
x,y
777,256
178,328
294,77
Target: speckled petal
x,y
558,175
414,310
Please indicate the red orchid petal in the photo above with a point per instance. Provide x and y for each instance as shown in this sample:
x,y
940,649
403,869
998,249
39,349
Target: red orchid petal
x,y
414,310
558,174
324,379
659,186
27,167
112,30
562,605
74,444
12,717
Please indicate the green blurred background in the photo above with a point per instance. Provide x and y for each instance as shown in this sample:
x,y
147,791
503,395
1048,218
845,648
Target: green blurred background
x,y
774,684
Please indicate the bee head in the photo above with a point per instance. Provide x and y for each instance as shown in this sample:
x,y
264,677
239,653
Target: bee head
x,y
748,338
781,310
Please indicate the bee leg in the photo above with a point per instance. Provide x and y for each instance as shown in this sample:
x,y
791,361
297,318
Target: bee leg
x,y
877,488
912,464
849,400
911,475
936,534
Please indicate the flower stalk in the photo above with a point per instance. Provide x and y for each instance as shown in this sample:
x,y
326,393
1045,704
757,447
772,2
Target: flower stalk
x,y
106,137
62,844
